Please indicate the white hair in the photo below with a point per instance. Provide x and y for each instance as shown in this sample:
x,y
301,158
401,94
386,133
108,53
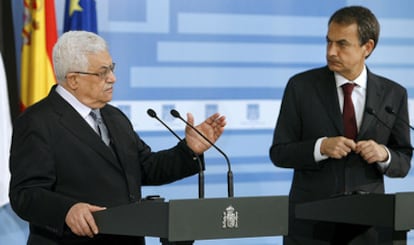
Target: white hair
x,y
71,51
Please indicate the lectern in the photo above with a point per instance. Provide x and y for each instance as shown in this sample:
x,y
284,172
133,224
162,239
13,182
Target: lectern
x,y
387,210
198,219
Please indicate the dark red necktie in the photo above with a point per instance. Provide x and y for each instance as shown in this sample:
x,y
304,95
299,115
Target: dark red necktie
x,y
348,113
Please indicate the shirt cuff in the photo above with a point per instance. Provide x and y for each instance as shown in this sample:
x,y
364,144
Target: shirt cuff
x,y
317,150
383,166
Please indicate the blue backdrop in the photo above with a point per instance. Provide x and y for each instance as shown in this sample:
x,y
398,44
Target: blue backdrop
x,y
234,57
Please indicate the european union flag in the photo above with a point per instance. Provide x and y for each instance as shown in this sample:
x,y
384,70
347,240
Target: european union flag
x,y
80,15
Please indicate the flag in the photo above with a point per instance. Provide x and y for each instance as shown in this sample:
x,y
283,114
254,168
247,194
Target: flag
x,y
8,50
80,15
39,36
5,139
9,101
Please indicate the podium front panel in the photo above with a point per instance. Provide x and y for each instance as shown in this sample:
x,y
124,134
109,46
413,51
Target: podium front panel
x,y
146,218
198,219
404,211
365,209
228,218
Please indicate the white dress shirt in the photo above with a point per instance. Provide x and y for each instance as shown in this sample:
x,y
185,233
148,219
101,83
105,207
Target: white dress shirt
x,y
82,109
358,99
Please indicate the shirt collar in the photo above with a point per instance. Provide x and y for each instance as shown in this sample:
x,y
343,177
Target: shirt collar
x,y
82,109
360,81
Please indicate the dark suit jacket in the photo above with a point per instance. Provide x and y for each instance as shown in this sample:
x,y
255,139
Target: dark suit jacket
x,y
57,160
310,110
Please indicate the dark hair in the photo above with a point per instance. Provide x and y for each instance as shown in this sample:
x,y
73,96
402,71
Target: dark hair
x,y
368,25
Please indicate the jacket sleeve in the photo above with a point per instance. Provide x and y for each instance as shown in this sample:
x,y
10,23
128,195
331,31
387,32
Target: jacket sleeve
x,y
33,176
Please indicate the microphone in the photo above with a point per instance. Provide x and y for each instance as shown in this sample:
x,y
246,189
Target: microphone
x,y
230,188
153,114
372,112
391,111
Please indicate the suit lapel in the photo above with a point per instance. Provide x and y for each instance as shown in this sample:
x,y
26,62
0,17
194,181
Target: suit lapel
x,y
326,90
122,137
374,96
77,126
113,128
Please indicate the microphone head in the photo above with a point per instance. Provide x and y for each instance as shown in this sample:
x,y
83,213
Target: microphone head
x,y
151,113
389,110
370,111
175,113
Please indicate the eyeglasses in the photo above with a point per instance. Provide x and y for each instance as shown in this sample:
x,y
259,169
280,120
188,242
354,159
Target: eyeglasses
x,y
103,75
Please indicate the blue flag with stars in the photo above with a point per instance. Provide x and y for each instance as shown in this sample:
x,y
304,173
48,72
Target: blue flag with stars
x,y
80,15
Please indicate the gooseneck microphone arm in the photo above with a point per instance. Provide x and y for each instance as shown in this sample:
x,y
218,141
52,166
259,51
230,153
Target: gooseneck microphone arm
x,y
230,188
391,111
373,113
153,114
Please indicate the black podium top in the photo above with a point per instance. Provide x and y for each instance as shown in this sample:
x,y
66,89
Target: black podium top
x,y
198,219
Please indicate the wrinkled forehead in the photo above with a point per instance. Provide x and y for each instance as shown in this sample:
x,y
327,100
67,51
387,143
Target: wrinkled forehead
x,y
339,31
100,59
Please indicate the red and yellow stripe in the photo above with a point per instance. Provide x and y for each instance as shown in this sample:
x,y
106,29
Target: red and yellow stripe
x,y
39,36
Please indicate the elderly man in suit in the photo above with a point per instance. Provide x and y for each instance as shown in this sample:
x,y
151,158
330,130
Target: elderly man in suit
x,y
337,143
62,170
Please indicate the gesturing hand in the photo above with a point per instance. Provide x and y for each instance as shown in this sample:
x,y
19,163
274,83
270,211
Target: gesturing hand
x,y
212,128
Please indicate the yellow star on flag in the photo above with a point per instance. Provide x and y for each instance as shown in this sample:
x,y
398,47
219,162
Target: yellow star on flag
x,y
74,6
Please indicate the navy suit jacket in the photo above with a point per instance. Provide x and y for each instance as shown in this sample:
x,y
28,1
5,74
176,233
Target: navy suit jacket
x,y
58,160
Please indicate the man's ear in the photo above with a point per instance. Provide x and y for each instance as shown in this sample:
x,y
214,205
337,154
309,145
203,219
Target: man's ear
x,y
71,80
369,46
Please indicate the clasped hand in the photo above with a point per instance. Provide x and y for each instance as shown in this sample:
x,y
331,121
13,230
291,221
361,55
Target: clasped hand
x,y
339,147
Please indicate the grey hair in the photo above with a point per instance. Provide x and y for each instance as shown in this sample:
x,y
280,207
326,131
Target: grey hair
x,y
71,51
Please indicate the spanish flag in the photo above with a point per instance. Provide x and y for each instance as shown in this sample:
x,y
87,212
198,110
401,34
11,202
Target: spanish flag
x,y
39,36
80,15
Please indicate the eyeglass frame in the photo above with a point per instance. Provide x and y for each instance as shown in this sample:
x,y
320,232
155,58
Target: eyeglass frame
x,y
102,75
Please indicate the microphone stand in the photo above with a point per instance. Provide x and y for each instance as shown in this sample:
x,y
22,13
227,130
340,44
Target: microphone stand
x,y
391,111
153,114
230,188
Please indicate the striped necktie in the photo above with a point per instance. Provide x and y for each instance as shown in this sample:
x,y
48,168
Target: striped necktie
x,y
100,126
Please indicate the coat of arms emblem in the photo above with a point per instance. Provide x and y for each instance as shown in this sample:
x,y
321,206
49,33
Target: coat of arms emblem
x,y
230,218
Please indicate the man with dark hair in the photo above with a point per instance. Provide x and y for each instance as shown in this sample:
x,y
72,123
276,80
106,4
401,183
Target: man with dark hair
x,y
326,134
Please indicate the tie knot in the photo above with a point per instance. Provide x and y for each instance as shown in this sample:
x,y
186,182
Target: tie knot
x,y
96,115
347,88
